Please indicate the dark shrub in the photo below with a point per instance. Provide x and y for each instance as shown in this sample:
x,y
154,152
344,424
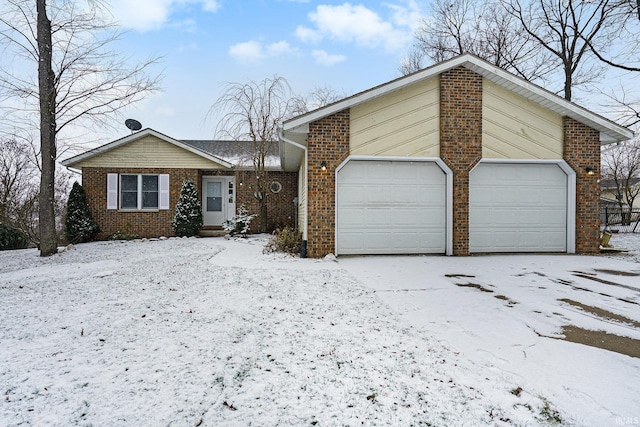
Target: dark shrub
x,y
79,225
188,218
12,238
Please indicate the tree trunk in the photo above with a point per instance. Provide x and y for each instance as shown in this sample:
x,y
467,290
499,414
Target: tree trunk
x,y
47,94
568,81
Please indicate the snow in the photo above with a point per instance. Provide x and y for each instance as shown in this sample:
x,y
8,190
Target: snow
x,y
188,331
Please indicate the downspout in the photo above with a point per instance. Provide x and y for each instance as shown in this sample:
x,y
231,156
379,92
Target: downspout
x,y
303,253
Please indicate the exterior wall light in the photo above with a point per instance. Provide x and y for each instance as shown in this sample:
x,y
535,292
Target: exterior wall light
x,y
590,171
323,165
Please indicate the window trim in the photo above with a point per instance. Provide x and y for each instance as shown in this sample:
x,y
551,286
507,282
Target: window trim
x,y
114,192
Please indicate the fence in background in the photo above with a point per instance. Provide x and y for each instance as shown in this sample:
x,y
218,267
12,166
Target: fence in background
x,y
623,220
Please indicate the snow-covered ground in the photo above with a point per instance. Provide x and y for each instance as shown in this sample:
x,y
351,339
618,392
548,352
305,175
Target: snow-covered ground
x,y
214,332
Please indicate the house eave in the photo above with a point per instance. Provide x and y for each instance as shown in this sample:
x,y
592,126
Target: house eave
x,y
610,132
70,162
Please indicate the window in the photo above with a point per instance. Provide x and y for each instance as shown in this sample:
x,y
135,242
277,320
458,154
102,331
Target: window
x,y
137,192
129,192
149,191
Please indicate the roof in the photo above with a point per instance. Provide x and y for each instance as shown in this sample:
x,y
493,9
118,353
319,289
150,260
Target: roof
x,y
609,130
237,153
610,184
227,153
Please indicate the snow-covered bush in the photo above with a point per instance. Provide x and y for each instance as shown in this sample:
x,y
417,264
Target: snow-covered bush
x,y
79,225
239,224
188,218
12,238
123,235
285,240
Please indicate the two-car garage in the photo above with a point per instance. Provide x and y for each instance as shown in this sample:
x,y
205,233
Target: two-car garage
x,y
404,206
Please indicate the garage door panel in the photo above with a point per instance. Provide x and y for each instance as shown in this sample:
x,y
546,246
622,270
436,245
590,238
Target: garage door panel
x,y
352,217
351,241
376,217
518,208
355,195
387,207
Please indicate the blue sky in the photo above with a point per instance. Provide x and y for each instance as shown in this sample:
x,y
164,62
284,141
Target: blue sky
x,y
206,43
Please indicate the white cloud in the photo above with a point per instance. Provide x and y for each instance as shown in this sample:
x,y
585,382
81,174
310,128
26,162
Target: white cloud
x,y
409,15
324,58
145,15
250,51
210,5
279,49
362,26
188,47
307,34
253,51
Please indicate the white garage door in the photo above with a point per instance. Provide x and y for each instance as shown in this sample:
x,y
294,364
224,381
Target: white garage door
x,y
391,207
517,208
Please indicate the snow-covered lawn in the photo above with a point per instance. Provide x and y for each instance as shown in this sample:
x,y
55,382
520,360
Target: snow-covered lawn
x,y
214,332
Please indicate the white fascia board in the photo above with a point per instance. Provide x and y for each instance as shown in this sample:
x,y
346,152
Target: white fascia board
x,y
130,138
609,130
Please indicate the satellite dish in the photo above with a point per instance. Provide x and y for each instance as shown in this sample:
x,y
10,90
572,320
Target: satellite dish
x,y
132,124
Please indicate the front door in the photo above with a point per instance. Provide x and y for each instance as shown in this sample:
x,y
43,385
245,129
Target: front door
x,y
214,205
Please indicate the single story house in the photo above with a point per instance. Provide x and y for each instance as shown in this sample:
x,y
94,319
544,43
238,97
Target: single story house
x,y
610,191
133,183
458,158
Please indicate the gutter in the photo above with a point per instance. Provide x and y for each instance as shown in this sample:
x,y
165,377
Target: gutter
x,y
281,136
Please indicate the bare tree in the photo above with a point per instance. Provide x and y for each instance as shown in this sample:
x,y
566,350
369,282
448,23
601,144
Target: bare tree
x,y
621,168
484,29
628,106
584,37
319,97
252,112
19,187
80,81
17,170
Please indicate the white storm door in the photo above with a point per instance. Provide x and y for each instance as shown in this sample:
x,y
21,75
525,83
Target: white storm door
x,y
214,201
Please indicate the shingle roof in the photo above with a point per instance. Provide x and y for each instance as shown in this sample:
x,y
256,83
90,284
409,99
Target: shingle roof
x,y
227,153
237,153
609,184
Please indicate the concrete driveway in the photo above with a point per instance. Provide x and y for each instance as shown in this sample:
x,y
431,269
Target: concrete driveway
x,y
516,315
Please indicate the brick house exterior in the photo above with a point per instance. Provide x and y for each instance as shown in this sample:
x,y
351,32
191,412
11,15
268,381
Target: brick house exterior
x,y
327,137
460,142
582,151
329,143
150,147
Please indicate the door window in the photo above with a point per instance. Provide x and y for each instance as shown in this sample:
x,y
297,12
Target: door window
x,y
214,196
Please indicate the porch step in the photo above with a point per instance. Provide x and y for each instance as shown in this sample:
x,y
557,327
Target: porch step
x,y
213,233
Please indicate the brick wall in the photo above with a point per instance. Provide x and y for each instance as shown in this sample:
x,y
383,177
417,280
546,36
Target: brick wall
x,y
144,224
281,211
328,141
280,207
460,142
582,150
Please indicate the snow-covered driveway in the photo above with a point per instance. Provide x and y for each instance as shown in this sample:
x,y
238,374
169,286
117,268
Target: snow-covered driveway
x,y
213,332
507,314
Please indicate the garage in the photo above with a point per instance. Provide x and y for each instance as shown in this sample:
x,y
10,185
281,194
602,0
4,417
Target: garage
x,y
391,207
518,207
